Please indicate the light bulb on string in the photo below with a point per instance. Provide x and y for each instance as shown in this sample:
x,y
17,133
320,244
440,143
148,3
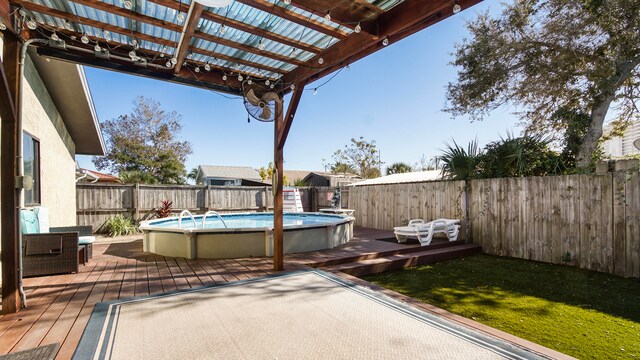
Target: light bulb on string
x,y
3,26
457,8
358,28
224,77
320,61
292,87
287,2
267,82
207,67
197,69
84,39
385,42
97,47
31,24
169,64
315,91
348,67
180,17
223,29
249,81
240,78
260,45
55,37
128,5
174,60
327,17
271,86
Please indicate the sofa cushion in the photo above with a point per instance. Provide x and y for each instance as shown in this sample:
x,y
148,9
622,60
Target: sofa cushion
x,y
29,221
86,240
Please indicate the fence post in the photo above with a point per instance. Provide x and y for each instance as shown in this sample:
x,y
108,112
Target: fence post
x,y
136,202
205,206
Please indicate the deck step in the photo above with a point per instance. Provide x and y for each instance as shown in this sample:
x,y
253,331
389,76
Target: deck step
x,y
400,261
382,254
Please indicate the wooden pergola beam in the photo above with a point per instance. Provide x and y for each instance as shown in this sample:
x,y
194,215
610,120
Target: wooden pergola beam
x,y
403,20
260,32
195,10
96,24
295,17
116,10
212,80
9,195
243,47
347,14
238,61
290,115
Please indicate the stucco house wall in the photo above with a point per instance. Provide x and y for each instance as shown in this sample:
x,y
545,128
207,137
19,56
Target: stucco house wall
x,y
42,120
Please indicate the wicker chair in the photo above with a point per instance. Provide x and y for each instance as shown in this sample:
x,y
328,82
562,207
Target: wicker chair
x,y
49,253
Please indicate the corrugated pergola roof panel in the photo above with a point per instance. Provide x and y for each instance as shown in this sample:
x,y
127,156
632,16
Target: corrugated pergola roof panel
x,y
261,38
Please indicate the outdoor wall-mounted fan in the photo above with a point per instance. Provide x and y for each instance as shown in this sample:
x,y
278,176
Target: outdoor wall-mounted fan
x,y
263,108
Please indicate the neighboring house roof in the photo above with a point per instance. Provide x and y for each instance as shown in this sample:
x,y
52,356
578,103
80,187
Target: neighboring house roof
x,y
67,85
332,175
418,176
293,175
229,172
93,176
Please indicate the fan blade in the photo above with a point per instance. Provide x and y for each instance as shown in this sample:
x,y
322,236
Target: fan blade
x,y
252,98
266,113
270,96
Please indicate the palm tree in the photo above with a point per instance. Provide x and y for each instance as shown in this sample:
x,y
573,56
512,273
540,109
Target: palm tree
x,y
399,167
193,175
458,163
343,168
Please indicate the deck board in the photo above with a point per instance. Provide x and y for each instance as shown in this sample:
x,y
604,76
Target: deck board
x,y
60,306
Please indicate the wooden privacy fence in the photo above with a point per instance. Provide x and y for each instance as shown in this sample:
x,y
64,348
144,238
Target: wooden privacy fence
x,y
590,221
96,203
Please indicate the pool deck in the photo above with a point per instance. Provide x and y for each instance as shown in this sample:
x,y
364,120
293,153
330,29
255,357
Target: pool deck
x,y
59,306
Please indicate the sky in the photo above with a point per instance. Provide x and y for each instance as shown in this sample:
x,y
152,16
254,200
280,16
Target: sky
x,y
394,97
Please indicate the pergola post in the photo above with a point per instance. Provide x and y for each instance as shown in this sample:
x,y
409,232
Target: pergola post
x,y
9,195
280,132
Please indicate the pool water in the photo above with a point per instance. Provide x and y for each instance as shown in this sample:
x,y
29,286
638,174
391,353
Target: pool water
x,y
244,221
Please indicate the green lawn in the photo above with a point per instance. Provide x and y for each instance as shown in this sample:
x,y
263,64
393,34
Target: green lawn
x,y
581,313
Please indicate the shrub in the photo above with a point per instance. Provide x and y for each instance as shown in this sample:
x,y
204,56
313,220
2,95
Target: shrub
x,y
118,225
164,210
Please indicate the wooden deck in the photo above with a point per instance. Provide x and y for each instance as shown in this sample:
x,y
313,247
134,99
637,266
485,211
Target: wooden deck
x,y
59,306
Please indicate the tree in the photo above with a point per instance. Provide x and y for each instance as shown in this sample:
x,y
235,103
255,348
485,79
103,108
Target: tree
x,y
193,175
266,174
544,56
142,146
399,167
362,155
342,168
424,164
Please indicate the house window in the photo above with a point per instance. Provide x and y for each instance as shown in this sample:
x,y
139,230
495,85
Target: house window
x,y
32,168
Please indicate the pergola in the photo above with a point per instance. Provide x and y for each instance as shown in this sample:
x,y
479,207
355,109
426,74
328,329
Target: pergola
x,y
280,45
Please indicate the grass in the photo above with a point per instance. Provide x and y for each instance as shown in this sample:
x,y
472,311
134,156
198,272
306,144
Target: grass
x,y
581,313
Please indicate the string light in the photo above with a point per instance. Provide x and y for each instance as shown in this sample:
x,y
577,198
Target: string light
x,y
223,29
67,25
31,24
320,61
3,26
457,8
385,42
180,17
240,78
271,86
169,64
128,5
207,67
292,87
174,60
197,69
260,45
249,81
97,47
294,51
84,39
55,37
287,2
315,91
327,17
267,82
224,77
134,42
358,28
348,67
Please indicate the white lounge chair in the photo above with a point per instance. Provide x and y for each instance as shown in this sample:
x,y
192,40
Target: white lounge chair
x,y
417,228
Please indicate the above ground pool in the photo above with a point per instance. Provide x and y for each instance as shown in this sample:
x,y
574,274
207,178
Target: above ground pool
x,y
242,235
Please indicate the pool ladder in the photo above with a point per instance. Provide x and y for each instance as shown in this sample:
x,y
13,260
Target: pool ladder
x,y
211,212
187,212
